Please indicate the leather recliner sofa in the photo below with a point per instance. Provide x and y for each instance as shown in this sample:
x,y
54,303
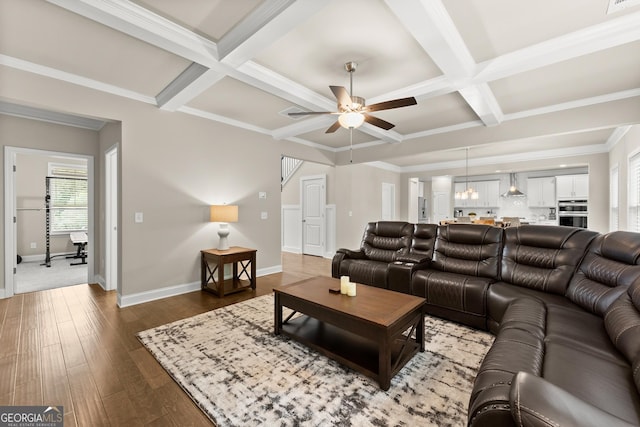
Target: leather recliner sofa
x,y
387,243
564,306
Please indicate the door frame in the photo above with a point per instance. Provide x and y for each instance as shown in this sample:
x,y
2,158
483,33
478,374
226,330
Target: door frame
x,y
323,208
112,191
10,229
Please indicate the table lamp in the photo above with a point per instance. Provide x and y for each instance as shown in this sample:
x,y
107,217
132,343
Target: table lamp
x,y
224,214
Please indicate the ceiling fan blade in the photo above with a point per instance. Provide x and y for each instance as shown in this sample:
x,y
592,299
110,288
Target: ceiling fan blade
x,y
388,105
308,113
334,127
341,94
378,122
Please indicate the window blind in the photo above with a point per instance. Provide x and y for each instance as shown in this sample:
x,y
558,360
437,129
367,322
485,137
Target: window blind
x,y
68,202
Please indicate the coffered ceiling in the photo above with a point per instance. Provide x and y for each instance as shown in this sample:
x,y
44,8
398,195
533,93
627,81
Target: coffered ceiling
x,y
501,77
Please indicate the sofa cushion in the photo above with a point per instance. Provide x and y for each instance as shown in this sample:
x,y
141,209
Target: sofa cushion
x,y
582,330
500,295
468,249
424,238
457,297
385,240
368,272
543,257
538,403
622,322
611,264
593,379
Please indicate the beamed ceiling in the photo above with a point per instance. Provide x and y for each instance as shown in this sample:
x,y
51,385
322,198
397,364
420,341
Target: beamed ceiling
x,y
503,77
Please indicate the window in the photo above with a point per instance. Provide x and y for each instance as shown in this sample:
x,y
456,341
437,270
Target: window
x,y
68,201
613,200
633,220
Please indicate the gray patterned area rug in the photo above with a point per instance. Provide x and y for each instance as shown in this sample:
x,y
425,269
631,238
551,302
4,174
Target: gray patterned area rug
x,y
240,374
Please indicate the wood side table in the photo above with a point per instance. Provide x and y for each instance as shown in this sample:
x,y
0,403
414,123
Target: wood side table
x,y
212,270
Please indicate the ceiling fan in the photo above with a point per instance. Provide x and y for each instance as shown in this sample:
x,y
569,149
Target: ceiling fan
x,y
353,111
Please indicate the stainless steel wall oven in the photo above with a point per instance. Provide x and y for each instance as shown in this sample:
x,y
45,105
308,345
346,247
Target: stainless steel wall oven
x,y
573,213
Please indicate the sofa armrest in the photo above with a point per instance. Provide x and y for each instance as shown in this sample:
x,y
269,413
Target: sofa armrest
x,y
424,260
401,271
348,253
536,403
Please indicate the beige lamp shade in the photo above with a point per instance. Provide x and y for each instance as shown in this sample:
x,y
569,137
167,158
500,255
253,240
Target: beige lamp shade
x,y
224,213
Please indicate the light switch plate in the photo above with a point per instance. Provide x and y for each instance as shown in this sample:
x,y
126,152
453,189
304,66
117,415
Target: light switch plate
x,y
139,217
264,215
262,195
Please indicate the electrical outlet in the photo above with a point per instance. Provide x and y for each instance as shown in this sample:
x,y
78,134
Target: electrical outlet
x,y
34,245
262,195
139,217
264,215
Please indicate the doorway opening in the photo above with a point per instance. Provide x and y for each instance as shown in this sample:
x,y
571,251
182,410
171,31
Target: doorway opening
x,y
48,219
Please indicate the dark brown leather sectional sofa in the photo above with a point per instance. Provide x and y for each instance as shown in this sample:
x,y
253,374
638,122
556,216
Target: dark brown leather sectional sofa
x,y
562,302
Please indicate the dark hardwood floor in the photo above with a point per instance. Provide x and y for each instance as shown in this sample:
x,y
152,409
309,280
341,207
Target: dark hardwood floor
x,y
73,346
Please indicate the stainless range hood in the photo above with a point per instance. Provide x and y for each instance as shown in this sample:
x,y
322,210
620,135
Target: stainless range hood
x,y
513,190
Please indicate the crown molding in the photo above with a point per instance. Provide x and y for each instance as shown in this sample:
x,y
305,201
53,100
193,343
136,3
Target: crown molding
x,y
512,158
23,111
75,79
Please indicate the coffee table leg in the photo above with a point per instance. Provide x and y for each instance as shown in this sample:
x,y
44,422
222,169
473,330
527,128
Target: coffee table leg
x,y
384,363
278,315
420,332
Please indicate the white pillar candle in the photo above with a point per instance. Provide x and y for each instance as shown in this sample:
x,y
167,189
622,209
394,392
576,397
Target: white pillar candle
x,y
344,284
351,290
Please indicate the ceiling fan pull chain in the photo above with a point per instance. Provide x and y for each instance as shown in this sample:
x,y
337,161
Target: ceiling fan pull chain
x,y
350,145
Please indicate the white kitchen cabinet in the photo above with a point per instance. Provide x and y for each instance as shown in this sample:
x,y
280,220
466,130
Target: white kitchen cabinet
x,y
541,192
489,192
572,186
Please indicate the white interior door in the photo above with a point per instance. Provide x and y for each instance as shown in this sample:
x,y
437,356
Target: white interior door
x,y
313,197
441,206
412,213
111,219
10,239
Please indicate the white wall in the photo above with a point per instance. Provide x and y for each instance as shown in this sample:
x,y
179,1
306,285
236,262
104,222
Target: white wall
x,y
173,166
359,200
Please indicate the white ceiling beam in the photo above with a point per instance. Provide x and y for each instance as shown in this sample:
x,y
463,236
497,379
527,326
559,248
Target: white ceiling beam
x,y
304,126
138,22
262,27
616,136
612,33
432,27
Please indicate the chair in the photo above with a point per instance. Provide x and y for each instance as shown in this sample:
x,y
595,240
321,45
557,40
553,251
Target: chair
x,y
510,221
487,220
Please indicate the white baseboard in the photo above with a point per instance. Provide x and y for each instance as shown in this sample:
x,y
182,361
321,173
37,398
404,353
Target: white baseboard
x,y
100,281
3,294
269,270
170,291
291,250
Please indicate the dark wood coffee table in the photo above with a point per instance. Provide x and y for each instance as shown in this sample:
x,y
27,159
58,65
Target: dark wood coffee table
x,y
376,332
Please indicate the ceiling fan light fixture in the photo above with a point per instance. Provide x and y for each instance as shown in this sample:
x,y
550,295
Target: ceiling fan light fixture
x,y
351,120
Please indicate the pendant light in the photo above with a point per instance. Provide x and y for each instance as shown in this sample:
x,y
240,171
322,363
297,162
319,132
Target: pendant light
x,y
469,192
